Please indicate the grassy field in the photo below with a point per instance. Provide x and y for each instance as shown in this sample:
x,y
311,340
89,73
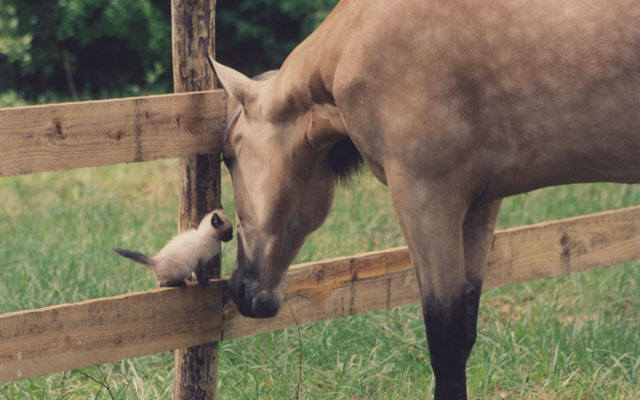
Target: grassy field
x,y
572,337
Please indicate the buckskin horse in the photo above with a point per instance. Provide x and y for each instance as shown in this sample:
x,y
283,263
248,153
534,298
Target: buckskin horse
x,y
453,105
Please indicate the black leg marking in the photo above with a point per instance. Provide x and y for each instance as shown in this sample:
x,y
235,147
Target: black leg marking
x,y
451,333
472,291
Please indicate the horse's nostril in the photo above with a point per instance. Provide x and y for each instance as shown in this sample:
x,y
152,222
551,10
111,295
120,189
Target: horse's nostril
x,y
265,305
251,298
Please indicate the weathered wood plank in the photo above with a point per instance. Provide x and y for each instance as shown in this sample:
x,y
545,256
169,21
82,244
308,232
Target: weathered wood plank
x,y
38,342
70,336
351,285
96,133
561,247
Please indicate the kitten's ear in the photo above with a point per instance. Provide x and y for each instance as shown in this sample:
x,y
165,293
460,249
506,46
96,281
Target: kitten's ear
x,y
216,221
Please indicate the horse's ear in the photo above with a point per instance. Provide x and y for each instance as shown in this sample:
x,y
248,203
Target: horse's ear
x,y
238,86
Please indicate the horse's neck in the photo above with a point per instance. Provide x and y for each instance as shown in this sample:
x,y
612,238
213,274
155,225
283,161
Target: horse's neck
x,y
307,75
298,87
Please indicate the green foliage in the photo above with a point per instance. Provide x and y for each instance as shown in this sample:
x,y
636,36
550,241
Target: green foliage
x,y
11,99
255,36
13,45
66,49
83,48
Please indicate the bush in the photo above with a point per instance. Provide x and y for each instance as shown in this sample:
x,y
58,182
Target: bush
x,y
66,49
88,48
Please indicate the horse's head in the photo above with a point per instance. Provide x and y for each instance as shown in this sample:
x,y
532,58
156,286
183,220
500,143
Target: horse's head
x,y
283,156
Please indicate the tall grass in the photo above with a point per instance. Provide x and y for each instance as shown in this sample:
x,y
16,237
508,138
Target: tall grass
x,y
569,337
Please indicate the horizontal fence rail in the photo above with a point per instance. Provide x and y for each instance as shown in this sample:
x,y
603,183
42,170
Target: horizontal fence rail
x,y
68,336
106,132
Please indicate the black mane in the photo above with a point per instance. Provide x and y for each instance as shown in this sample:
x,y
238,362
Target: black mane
x,y
344,159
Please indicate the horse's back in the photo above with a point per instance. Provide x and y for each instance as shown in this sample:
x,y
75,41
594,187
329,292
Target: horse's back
x,y
510,88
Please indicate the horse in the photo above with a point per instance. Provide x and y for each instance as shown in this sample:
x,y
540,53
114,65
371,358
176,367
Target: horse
x,y
453,105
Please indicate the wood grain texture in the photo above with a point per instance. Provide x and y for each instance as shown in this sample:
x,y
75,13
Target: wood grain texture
x,y
110,329
561,247
192,38
351,285
96,133
97,331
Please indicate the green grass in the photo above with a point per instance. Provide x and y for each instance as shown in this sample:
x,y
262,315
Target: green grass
x,y
570,337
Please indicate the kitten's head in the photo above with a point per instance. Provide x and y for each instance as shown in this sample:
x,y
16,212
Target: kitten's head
x,y
222,225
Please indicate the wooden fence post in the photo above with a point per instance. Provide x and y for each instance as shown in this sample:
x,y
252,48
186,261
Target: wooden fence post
x,y
193,36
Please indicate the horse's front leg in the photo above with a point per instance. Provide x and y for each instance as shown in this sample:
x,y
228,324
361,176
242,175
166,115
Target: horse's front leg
x,y
478,228
436,220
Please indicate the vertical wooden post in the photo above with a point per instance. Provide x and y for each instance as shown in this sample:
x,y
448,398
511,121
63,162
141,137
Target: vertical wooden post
x,y
193,36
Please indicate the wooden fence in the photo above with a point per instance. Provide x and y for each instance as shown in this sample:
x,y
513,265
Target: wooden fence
x,y
190,126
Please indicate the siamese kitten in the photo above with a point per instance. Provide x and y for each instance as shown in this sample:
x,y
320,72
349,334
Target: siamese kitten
x,y
187,253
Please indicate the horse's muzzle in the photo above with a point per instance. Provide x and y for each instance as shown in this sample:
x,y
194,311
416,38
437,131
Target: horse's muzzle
x,y
252,299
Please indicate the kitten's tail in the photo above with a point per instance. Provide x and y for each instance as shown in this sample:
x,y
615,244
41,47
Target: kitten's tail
x,y
134,255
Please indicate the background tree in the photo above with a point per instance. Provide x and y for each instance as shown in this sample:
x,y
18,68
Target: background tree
x,y
76,49
255,36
